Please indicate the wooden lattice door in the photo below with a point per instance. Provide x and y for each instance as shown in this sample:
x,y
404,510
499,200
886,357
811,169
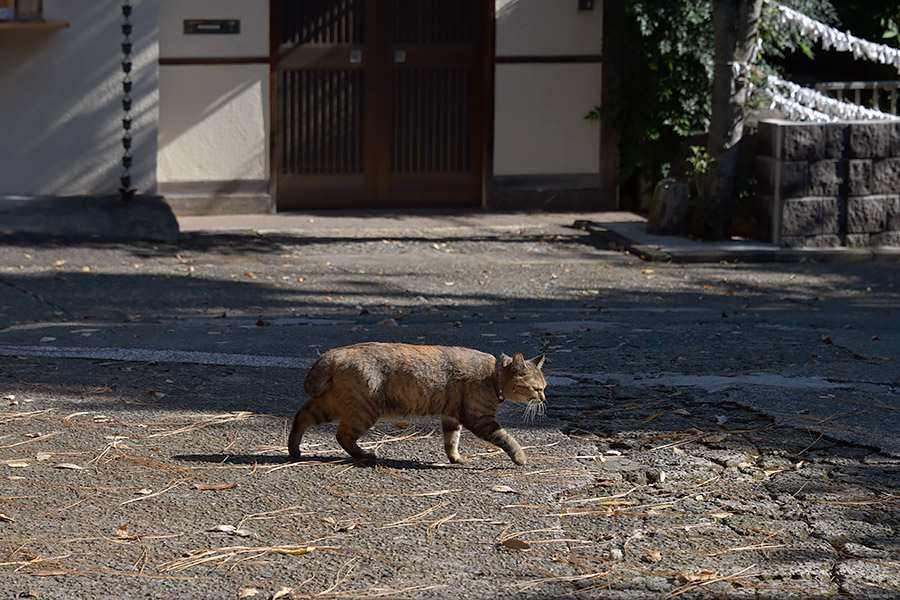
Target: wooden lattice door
x,y
380,103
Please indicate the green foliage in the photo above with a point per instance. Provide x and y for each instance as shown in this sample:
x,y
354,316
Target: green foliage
x,y
876,21
778,41
890,28
699,162
668,58
668,61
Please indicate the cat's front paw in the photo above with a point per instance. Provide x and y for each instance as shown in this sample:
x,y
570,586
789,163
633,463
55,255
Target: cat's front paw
x,y
519,458
458,460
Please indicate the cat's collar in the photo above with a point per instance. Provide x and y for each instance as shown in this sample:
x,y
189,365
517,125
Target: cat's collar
x,y
497,384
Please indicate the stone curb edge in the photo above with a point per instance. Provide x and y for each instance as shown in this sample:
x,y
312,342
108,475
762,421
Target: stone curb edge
x,y
713,252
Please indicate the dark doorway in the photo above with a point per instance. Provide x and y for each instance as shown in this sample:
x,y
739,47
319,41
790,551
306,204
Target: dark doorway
x,y
380,103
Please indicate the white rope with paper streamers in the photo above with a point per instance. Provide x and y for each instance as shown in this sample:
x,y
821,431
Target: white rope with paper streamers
x,y
786,94
796,111
834,38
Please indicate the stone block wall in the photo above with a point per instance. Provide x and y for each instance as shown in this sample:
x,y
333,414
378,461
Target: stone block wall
x,y
828,185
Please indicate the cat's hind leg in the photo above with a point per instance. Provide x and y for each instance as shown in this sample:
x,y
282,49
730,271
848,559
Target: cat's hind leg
x,y
314,412
451,428
351,428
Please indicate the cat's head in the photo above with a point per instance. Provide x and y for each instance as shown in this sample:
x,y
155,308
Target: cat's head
x,y
526,383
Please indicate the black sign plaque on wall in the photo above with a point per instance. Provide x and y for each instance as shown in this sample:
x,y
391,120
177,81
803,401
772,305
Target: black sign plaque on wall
x,y
208,26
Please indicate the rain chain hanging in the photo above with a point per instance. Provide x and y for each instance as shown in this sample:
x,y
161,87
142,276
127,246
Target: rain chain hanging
x,y
126,190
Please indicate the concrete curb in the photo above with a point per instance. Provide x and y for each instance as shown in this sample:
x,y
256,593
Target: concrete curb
x,y
103,218
632,236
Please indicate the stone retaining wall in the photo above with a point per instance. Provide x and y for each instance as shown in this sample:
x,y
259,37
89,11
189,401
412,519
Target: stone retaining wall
x,y
829,185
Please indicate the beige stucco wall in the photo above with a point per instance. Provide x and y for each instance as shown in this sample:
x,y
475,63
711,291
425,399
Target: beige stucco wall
x,y
539,107
214,118
547,28
213,123
539,121
60,101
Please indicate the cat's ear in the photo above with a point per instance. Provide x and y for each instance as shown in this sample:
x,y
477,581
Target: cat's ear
x,y
537,361
518,361
505,360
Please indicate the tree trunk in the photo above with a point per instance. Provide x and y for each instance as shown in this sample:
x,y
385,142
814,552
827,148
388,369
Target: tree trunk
x,y
735,25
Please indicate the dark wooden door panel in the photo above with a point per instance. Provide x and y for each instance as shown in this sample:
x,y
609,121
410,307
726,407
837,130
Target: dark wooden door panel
x,y
378,102
432,120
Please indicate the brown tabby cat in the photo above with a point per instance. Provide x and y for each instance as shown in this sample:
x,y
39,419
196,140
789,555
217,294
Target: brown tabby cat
x,y
356,385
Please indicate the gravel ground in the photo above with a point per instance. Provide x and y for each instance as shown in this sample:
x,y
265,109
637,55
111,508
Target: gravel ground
x,y
718,430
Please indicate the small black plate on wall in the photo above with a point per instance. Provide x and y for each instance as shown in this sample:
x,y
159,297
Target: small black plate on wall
x,y
206,26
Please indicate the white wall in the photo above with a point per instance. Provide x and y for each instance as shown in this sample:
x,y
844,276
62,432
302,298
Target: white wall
x,y
214,119
547,28
60,101
213,123
539,125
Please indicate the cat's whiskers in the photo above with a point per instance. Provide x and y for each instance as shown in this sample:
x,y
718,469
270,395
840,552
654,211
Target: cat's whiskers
x,y
534,410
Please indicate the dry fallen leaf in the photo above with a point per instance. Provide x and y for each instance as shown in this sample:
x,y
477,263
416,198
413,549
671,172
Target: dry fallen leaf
x,y
285,591
17,465
248,593
685,577
516,544
292,551
655,415
71,466
503,489
6,518
122,533
215,487
653,556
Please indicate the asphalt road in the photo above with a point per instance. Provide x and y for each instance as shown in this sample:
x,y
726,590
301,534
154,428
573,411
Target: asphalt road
x,y
726,429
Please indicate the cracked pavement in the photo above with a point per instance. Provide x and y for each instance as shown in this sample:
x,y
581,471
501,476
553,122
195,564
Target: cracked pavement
x,y
713,430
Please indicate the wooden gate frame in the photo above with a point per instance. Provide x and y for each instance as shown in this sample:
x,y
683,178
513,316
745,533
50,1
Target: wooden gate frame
x,y
483,85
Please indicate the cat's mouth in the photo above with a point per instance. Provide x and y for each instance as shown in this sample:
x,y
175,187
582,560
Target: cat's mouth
x,y
535,409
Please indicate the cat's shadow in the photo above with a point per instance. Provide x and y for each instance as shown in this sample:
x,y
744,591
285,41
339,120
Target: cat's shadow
x,y
275,460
